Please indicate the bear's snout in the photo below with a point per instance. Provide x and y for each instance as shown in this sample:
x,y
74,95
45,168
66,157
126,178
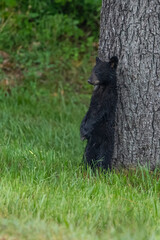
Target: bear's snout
x,y
90,81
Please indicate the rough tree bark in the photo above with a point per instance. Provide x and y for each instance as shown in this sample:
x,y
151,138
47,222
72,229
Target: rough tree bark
x,y
130,30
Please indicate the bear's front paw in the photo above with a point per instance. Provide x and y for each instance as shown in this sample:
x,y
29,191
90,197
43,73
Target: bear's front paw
x,y
83,135
83,138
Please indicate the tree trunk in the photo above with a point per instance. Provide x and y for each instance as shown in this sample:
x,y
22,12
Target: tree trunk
x,y
130,30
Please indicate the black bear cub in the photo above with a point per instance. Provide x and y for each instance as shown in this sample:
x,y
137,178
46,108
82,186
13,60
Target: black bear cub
x,y
97,127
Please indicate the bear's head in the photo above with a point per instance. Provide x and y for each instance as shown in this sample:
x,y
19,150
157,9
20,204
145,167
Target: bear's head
x,y
103,72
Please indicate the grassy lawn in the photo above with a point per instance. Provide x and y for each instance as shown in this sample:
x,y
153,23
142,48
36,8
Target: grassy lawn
x,y
45,193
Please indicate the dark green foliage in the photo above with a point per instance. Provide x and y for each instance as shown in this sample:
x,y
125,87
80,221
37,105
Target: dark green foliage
x,y
56,20
50,40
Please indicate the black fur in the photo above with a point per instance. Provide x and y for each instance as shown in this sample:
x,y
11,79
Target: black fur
x,y
98,124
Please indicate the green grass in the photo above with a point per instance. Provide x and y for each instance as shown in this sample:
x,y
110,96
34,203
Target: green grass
x,y
45,193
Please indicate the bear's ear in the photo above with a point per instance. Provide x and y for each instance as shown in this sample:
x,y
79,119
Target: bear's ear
x,y
97,60
113,62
